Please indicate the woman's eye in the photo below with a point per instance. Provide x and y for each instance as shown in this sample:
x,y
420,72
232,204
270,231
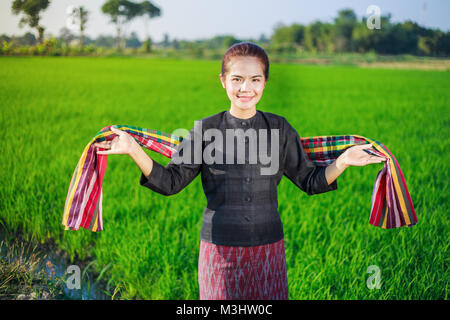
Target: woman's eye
x,y
236,79
257,80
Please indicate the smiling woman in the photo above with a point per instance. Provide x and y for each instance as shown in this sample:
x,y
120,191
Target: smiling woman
x,y
247,67
242,241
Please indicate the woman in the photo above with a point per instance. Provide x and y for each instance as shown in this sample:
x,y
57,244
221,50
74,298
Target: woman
x,y
242,252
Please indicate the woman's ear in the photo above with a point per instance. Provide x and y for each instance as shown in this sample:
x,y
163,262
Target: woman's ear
x,y
222,80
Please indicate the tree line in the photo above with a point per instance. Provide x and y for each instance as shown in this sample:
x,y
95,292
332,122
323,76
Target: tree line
x,y
346,33
120,12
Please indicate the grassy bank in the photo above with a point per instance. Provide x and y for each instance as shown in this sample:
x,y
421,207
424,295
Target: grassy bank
x,y
51,107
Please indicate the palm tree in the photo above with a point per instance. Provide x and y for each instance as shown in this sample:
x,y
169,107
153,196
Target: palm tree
x,y
121,12
149,11
31,10
79,17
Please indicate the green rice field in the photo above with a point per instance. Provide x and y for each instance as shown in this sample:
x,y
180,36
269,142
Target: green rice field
x,y
52,107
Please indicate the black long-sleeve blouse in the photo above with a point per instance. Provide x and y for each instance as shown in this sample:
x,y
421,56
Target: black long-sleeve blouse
x,y
242,205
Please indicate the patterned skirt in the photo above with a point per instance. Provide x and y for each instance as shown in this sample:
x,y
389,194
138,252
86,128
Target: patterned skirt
x,y
243,273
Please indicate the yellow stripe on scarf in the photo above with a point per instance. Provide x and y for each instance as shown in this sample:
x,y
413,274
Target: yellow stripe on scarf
x,y
168,139
77,180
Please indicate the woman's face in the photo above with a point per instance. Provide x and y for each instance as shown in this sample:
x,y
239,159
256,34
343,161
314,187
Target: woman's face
x,y
244,82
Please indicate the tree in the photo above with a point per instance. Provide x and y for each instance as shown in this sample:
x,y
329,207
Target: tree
x,y
4,37
149,11
176,44
228,41
263,38
166,41
31,10
105,41
66,35
292,34
121,12
319,37
79,17
344,25
443,44
288,38
133,41
401,38
28,39
365,39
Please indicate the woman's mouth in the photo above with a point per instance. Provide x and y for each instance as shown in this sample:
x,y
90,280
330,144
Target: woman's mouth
x,y
245,98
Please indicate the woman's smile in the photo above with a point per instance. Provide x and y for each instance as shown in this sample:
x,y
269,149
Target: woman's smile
x,y
245,98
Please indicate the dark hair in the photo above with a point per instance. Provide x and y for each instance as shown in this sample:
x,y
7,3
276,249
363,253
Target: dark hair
x,y
246,49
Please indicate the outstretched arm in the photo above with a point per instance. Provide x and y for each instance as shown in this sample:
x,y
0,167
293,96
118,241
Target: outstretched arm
x,y
167,180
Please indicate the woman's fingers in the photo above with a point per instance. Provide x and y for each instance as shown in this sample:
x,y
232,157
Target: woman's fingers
x,y
117,131
106,144
118,145
105,152
103,144
374,159
115,146
365,146
362,155
372,152
366,159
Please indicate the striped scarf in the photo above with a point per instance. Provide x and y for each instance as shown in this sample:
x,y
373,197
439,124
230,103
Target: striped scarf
x,y
391,203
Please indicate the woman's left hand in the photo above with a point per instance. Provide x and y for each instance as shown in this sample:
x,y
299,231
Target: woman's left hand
x,y
356,156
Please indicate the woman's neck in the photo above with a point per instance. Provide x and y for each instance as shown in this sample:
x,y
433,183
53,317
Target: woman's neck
x,y
242,113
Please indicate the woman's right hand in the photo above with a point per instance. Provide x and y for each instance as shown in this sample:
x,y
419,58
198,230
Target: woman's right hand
x,y
123,143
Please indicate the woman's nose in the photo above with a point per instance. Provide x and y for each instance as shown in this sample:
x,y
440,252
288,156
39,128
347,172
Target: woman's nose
x,y
245,85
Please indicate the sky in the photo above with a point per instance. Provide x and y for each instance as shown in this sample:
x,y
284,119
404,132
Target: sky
x,y
244,19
